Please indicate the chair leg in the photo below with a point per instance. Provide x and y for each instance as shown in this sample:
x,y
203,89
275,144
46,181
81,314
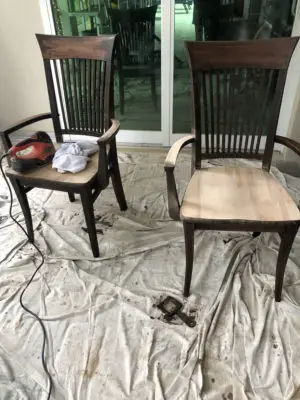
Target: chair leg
x,y
71,197
287,239
121,92
88,209
189,255
153,91
22,197
116,177
255,234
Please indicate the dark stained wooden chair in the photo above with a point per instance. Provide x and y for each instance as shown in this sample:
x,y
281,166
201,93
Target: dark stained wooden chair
x,y
83,65
235,118
136,46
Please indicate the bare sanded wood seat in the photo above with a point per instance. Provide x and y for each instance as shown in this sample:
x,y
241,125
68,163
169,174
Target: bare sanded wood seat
x,y
226,193
237,90
47,173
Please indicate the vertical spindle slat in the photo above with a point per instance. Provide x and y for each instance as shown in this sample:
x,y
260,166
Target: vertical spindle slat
x,y
84,94
218,96
79,93
70,93
205,109
66,94
89,93
75,97
61,100
265,106
231,104
212,111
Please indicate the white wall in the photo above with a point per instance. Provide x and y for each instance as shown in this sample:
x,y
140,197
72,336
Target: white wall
x,y
22,81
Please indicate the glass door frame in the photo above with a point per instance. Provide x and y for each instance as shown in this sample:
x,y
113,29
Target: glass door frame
x,y
166,137
128,137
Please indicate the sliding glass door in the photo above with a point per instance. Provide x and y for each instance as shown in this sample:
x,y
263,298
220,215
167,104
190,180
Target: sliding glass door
x,y
137,84
204,20
152,82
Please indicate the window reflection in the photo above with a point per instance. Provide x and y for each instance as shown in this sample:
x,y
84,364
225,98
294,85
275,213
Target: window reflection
x,y
221,20
137,62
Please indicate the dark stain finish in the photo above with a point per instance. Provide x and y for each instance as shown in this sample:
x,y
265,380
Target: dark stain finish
x,y
86,96
66,47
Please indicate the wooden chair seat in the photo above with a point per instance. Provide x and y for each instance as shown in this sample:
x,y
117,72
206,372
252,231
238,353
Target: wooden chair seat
x,y
244,194
47,173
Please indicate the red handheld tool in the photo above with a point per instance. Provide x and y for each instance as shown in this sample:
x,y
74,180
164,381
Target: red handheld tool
x,y
33,152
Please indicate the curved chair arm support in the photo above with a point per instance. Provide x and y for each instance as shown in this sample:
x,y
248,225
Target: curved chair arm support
x,y
20,124
27,121
170,162
110,133
290,143
103,164
171,158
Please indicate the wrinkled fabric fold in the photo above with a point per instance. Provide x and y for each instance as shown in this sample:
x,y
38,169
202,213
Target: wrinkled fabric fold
x,y
106,340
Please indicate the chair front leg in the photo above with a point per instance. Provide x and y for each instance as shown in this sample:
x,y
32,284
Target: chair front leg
x,y
88,209
189,229
173,202
116,177
22,197
287,240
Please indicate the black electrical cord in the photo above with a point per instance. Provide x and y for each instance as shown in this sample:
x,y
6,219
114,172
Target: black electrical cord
x,y
29,282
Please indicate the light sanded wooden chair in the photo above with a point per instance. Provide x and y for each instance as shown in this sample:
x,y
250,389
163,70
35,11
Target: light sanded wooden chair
x,y
235,116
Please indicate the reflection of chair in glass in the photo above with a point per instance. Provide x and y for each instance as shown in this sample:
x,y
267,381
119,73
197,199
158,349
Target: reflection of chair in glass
x,y
186,4
234,123
136,49
129,4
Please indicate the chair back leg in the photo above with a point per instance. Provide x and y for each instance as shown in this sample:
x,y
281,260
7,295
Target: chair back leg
x,y
88,209
189,255
287,240
22,197
71,197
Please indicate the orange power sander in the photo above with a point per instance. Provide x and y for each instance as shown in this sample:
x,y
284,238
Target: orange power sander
x,y
33,152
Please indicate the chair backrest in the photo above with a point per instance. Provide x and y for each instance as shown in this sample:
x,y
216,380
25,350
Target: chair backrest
x,y
80,83
237,90
136,33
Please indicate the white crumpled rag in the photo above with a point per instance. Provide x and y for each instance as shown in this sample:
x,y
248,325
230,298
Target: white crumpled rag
x,y
73,157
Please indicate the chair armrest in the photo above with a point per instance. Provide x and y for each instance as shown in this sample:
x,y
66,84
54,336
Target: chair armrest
x,y
175,149
290,143
103,163
170,162
4,135
110,133
27,121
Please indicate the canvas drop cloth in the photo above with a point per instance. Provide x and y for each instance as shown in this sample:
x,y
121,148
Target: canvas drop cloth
x,y
106,340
